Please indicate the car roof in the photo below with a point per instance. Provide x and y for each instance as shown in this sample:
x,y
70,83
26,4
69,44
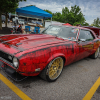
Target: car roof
x,y
72,26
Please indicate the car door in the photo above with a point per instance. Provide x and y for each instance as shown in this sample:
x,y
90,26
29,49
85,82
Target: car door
x,y
85,43
71,45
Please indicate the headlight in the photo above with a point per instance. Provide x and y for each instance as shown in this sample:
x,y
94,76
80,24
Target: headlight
x,y
15,62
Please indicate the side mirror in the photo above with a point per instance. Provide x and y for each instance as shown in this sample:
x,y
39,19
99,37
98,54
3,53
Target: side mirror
x,y
83,40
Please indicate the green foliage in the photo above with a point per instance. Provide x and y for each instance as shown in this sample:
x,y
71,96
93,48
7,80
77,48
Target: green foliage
x,y
30,5
57,16
96,22
7,6
73,16
85,24
76,23
91,25
65,13
48,11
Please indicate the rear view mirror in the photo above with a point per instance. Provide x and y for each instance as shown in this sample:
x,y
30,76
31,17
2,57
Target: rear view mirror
x,y
97,36
83,40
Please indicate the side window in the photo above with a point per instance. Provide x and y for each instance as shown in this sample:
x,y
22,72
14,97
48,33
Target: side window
x,y
85,34
82,34
89,36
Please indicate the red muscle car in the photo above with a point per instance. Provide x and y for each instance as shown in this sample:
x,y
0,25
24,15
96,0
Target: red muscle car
x,y
45,54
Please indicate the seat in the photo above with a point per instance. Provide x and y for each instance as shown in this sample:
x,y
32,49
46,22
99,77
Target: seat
x,y
36,30
27,29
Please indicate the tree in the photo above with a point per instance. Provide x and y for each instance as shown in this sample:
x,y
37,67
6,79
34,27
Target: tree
x,y
31,5
57,17
96,22
65,12
7,6
73,16
48,11
85,24
91,25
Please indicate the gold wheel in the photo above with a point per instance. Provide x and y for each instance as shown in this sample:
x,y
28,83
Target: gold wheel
x,y
55,68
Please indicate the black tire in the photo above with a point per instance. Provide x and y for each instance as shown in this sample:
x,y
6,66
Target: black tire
x,y
96,54
53,70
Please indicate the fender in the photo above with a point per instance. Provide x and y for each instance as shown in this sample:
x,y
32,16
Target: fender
x,y
57,55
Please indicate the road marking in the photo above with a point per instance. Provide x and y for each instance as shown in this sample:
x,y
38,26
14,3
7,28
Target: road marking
x,y
91,92
22,95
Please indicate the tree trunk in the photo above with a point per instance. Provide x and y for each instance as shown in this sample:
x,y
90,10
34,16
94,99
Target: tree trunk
x,y
0,22
6,20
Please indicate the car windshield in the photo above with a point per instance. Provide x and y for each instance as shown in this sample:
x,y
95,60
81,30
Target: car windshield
x,y
61,31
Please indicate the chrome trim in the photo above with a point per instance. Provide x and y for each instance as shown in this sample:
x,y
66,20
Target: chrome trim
x,y
7,62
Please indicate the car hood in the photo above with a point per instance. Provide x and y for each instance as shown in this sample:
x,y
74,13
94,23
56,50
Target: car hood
x,y
24,42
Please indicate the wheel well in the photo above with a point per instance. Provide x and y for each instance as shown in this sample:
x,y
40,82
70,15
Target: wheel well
x,y
64,59
50,59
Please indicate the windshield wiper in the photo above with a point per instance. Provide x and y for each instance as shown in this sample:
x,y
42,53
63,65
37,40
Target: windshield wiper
x,y
56,35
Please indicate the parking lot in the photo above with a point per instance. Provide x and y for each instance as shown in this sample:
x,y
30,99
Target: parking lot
x,y
78,81
74,83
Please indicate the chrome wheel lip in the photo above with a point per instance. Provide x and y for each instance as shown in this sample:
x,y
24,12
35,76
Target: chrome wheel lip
x,y
49,66
97,53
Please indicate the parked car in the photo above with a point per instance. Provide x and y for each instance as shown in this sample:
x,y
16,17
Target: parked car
x,y
3,18
95,29
15,20
21,21
45,54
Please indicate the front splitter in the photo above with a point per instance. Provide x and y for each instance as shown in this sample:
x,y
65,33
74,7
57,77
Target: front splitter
x,y
11,72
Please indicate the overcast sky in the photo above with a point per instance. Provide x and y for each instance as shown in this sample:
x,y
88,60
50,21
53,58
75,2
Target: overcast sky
x,y
89,8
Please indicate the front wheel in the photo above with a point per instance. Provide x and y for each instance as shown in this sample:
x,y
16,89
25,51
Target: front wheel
x,y
96,54
53,70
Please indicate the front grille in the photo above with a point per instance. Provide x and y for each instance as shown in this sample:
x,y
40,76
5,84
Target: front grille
x,y
5,56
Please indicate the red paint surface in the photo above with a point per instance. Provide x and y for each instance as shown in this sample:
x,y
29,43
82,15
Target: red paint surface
x,y
36,51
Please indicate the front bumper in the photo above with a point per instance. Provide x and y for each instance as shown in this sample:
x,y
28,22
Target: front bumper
x,y
11,72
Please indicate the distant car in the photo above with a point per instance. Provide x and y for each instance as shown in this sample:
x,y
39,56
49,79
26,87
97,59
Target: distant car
x,y
21,21
3,18
45,54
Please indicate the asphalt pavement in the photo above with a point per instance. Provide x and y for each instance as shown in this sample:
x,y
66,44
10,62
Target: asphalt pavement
x,y
74,83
